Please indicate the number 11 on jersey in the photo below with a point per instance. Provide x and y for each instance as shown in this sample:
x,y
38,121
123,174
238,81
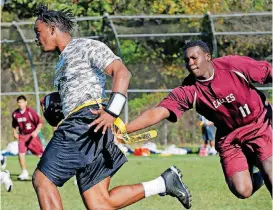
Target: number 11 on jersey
x,y
244,110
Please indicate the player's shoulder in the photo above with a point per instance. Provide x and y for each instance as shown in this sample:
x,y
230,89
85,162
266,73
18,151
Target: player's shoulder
x,y
83,43
223,59
185,90
80,40
229,58
231,62
91,42
29,109
15,112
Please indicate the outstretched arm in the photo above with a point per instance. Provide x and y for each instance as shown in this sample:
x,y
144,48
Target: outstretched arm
x,y
171,108
148,118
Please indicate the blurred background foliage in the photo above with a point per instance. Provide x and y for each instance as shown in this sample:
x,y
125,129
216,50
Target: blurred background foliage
x,y
155,62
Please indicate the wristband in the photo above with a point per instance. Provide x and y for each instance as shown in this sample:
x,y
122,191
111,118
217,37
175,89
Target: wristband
x,y
115,104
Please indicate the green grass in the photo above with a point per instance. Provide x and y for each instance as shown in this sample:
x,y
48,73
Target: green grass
x,y
203,175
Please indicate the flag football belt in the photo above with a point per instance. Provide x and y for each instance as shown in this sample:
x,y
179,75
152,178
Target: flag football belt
x,y
85,104
126,139
119,124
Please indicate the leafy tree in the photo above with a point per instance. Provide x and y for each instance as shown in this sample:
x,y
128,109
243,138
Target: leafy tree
x,y
154,62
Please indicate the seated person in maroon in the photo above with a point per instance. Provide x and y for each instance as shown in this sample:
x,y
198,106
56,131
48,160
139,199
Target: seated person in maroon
x,y
29,124
221,90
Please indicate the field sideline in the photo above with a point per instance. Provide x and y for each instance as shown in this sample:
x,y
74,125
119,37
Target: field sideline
x,y
203,175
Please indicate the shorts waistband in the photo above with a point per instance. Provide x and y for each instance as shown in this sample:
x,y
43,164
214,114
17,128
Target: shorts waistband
x,y
85,104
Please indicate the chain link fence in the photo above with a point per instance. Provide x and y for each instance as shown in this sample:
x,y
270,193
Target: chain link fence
x,y
151,48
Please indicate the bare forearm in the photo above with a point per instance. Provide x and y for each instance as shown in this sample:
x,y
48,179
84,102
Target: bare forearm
x,y
14,131
147,118
121,81
39,126
121,76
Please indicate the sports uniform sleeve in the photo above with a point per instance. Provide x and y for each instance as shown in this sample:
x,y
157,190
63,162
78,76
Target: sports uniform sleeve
x,y
14,121
35,118
101,55
254,71
177,102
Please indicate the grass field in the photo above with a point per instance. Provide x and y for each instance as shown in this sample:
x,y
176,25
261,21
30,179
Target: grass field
x,y
203,175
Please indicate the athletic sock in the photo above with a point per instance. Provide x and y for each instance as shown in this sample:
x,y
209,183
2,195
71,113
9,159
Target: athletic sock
x,y
154,187
24,171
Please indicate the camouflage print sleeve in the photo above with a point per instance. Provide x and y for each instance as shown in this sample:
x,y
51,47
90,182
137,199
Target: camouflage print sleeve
x,y
102,56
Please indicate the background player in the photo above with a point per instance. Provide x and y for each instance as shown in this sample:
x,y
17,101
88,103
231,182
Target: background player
x,y
221,90
28,123
207,130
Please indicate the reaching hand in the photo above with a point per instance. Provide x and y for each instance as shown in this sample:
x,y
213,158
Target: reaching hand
x,y
104,120
119,137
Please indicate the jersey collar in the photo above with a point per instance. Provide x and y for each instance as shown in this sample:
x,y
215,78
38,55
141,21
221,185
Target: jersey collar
x,y
206,80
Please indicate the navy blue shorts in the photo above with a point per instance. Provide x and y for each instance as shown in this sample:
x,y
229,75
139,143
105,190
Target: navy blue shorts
x,y
208,133
75,149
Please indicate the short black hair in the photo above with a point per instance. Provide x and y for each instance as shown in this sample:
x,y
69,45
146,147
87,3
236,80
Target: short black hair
x,y
21,97
197,43
63,19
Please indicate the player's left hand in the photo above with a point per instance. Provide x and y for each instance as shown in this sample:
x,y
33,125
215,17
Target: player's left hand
x,y
34,134
104,120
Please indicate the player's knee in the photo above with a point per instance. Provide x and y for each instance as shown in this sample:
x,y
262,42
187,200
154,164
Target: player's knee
x,y
104,202
35,180
102,206
38,180
244,195
243,191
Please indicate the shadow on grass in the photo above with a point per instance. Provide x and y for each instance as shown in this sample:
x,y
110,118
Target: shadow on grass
x,y
14,177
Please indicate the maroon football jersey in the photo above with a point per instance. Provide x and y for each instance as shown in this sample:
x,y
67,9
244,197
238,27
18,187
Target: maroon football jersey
x,y
228,99
27,121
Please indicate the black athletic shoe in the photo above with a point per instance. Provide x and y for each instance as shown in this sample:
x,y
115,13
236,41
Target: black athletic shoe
x,y
175,187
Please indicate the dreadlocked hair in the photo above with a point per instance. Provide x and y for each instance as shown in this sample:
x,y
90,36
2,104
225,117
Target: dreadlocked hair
x,y
197,43
63,19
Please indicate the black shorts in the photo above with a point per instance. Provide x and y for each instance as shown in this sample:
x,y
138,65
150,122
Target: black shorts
x,y
75,149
